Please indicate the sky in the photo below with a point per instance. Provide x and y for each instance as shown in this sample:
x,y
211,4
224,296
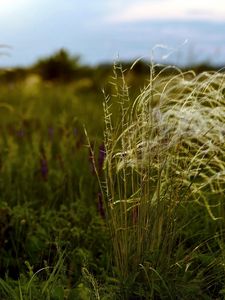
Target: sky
x,y
170,31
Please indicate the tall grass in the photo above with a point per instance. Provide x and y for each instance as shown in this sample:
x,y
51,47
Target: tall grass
x,y
44,199
164,168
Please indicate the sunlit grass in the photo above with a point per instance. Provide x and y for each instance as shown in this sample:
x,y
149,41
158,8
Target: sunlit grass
x,y
164,155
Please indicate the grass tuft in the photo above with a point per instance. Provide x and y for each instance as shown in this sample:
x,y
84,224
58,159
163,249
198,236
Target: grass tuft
x,y
164,156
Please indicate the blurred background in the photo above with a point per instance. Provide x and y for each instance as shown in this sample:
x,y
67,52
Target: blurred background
x,y
187,32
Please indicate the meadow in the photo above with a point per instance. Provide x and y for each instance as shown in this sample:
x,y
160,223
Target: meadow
x,y
116,194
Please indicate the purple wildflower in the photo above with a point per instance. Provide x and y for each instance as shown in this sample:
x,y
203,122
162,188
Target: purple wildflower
x,y
100,205
20,133
44,168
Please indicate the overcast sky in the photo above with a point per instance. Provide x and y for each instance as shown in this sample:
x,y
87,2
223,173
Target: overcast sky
x,y
100,30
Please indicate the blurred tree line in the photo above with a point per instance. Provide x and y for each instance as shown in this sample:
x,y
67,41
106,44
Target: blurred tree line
x,y
62,67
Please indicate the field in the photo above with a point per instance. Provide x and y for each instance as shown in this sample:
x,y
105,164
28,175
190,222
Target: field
x,y
115,195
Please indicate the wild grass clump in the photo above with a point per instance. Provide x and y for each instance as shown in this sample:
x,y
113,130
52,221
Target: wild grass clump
x,y
164,182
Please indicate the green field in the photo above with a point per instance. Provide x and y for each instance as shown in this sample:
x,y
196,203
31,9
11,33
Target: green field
x,y
119,212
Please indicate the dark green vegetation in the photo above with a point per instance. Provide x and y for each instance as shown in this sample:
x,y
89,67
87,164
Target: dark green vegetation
x,y
54,237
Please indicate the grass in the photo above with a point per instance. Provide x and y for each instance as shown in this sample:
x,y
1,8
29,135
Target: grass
x,y
153,228
49,195
165,166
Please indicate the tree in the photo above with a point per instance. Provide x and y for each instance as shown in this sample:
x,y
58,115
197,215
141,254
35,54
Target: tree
x,y
58,67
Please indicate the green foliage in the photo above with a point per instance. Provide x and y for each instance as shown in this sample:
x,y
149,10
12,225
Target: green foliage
x,y
165,238
49,225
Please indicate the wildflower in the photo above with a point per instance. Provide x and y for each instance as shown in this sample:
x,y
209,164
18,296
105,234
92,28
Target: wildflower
x,y
44,168
100,206
20,133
